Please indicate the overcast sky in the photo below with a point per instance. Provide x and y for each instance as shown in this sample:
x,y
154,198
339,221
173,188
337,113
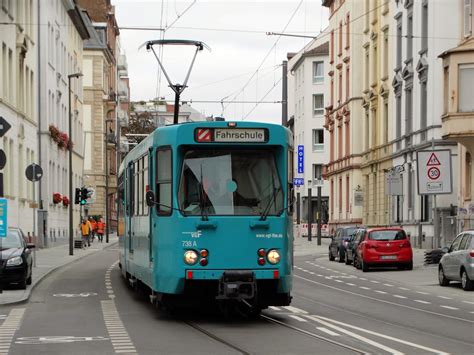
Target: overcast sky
x,y
235,32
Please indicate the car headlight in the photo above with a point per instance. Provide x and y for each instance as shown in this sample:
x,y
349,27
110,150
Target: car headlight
x,y
190,257
273,257
15,261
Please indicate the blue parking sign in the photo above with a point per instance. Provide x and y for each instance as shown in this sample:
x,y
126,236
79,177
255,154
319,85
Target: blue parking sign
x,y
298,181
300,159
3,217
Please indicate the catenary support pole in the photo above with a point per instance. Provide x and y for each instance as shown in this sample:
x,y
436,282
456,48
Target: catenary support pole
x,y
298,212
319,215
310,213
284,94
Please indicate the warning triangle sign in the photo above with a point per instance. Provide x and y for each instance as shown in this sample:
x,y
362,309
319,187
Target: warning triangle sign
x,y
433,160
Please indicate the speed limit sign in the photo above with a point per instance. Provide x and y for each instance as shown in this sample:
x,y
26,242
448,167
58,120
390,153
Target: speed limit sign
x,y
433,173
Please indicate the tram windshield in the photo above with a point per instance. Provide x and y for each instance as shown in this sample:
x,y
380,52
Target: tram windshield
x,y
230,182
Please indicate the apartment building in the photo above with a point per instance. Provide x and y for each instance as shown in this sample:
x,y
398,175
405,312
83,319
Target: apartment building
x,y
344,113
458,112
308,89
18,106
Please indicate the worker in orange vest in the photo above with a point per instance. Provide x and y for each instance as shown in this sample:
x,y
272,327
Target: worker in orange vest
x,y
86,232
100,230
93,227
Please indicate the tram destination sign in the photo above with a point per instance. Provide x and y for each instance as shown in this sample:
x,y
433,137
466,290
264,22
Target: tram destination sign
x,y
231,135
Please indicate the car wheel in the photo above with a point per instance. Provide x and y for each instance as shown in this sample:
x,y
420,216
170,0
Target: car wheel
x,y
467,284
363,266
409,266
22,283
443,281
346,259
356,262
341,255
29,279
331,257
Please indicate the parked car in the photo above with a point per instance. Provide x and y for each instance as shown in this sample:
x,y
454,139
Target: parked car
x,y
385,247
16,260
458,262
337,247
350,253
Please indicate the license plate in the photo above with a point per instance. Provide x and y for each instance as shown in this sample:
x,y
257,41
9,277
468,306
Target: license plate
x,y
388,257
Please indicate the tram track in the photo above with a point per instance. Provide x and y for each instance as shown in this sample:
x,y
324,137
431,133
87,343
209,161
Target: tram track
x,y
313,335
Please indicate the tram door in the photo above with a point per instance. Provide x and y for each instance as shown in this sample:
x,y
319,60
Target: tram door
x,y
130,207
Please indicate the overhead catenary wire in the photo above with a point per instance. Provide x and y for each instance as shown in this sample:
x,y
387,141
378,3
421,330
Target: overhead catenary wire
x,y
263,98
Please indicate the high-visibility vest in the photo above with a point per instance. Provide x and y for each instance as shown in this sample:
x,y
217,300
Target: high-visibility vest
x,y
100,227
85,228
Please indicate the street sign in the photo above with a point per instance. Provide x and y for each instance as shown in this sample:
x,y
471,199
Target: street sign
x,y
393,184
3,159
358,199
300,159
3,217
434,172
298,181
4,126
34,172
318,182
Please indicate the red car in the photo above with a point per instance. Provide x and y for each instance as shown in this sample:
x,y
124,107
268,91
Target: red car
x,y
385,247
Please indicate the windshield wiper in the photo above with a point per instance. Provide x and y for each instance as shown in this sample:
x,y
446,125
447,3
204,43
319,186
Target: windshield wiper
x,y
204,216
266,211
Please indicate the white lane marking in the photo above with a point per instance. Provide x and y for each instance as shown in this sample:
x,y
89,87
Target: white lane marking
x,y
9,327
349,284
401,341
363,278
388,285
113,323
422,293
338,280
421,301
298,318
404,288
319,275
468,302
398,296
449,307
273,308
445,298
382,292
295,310
383,301
327,331
364,287
374,282
356,336
312,273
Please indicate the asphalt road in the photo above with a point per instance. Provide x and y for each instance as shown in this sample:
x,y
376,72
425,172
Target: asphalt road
x,y
88,309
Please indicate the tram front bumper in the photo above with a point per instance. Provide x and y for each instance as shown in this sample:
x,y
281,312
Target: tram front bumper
x,y
237,284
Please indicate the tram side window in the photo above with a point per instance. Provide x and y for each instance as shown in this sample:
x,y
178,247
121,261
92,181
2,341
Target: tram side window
x,y
145,184
163,181
136,188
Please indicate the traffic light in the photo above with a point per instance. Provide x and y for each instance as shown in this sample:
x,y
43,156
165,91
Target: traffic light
x,y
77,196
83,195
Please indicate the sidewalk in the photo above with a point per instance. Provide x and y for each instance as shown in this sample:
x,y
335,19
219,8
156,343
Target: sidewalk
x,y
47,261
303,248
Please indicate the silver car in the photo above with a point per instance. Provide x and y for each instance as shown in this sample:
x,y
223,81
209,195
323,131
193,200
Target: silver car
x,y
458,262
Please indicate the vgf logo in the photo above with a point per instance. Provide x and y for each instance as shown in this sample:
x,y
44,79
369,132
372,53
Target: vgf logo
x,y
196,234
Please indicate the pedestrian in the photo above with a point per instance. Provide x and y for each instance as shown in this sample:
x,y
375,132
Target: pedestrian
x,y
100,230
93,227
85,231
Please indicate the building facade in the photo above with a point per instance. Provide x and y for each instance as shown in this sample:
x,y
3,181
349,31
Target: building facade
x,y
61,37
423,30
18,106
344,113
101,105
458,112
308,90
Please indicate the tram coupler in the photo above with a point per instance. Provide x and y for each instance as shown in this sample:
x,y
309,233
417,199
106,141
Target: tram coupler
x,y
237,285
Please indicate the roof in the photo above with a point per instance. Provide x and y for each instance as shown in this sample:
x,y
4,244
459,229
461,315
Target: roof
x,y
320,50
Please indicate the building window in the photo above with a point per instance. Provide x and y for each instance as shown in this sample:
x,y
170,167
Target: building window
x,y
410,187
318,104
340,86
385,53
424,26
374,197
425,208
367,136
332,46
468,176
348,137
367,15
466,80
374,132
445,89
348,37
340,38
318,140
317,172
340,195
398,128
423,109
399,42
331,142
318,72
367,68
347,193
339,141
385,122
331,201
408,112
332,91
467,18
347,83
374,62
410,36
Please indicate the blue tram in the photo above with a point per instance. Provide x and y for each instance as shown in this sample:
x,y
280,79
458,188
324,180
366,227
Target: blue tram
x,y
207,212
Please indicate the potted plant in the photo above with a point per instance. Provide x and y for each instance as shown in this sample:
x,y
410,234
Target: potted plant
x,y
65,201
57,198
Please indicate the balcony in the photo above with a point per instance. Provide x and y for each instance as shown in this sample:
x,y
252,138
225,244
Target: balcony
x,y
122,65
123,118
123,90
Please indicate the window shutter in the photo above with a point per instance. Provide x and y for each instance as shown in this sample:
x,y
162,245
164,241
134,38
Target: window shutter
x,y
467,18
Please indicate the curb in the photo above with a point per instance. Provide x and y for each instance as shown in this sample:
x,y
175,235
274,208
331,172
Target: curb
x,y
48,273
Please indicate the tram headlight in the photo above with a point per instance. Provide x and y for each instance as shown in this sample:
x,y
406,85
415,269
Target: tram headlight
x,y
273,257
190,257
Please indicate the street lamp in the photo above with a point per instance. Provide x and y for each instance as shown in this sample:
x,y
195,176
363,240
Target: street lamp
x,y
71,238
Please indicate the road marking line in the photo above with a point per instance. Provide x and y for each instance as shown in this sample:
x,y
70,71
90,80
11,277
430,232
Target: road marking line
x,y
327,331
364,288
388,285
404,289
118,335
312,273
338,280
295,310
468,302
274,308
357,336
319,275
363,278
374,282
349,284
424,302
382,292
439,352
383,301
398,296
445,298
9,327
449,307
422,293
298,318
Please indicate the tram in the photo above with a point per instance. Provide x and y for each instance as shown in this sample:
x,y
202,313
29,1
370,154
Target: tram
x,y
207,215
